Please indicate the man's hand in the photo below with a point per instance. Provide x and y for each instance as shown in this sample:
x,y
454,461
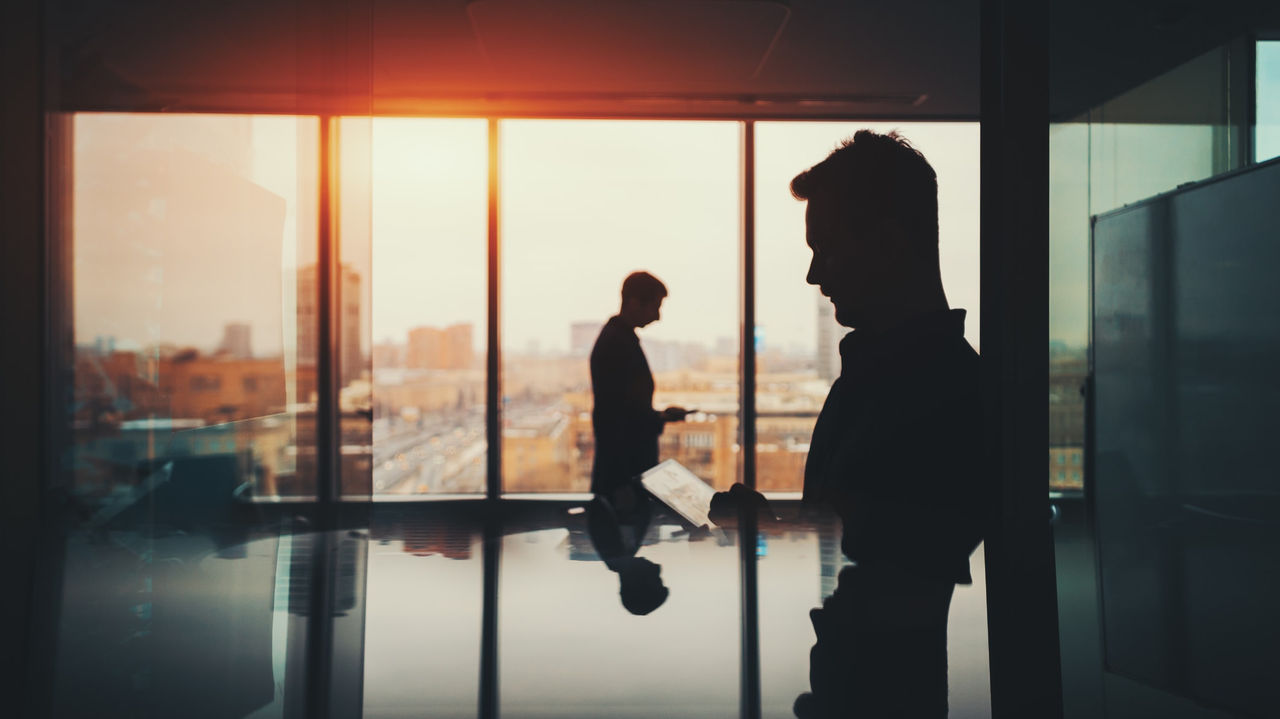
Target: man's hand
x,y
725,506
675,414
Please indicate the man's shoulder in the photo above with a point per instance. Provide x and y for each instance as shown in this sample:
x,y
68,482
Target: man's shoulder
x,y
614,332
612,343
951,360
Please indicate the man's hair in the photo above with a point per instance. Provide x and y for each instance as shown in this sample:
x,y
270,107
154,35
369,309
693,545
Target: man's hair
x,y
643,287
872,177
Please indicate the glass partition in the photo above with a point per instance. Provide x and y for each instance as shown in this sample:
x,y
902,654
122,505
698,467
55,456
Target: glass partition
x,y
191,239
1179,128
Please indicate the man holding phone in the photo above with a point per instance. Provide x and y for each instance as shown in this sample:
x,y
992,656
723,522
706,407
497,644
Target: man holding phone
x,y
625,423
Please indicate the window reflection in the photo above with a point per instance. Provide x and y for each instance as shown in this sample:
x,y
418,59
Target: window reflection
x,y
191,322
422,629
569,648
193,397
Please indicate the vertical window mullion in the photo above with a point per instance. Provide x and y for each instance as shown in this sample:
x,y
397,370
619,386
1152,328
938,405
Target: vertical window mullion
x,y
493,385
320,614
327,317
750,680
492,545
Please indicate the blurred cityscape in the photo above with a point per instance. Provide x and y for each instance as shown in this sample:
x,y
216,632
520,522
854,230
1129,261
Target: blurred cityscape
x,y
1068,373
428,398
416,424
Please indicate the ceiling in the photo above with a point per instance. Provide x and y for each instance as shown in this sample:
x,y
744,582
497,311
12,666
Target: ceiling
x,y
907,59
646,57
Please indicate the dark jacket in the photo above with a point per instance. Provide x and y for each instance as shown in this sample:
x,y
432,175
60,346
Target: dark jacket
x,y
897,449
625,423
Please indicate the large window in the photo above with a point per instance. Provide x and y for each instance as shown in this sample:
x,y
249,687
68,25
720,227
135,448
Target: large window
x,y
583,205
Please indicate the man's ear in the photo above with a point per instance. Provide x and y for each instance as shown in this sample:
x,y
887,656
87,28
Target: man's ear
x,y
895,244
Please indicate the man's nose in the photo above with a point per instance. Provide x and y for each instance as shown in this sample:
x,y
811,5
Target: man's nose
x,y
812,276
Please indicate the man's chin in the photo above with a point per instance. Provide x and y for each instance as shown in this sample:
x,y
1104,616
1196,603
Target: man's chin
x,y
845,317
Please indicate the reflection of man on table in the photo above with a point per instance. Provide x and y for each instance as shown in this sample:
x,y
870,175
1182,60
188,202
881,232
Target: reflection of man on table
x,y
625,423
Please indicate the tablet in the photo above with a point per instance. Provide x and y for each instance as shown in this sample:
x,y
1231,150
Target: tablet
x,y
675,486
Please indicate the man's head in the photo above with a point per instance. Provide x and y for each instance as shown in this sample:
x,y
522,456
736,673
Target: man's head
x,y
642,295
872,223
640,586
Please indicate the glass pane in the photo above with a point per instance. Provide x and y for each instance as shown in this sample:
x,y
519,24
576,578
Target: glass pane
x,y
1068,303
193,400
584,204
422,627
1181,126
1267,132
1171,130
1186,313
193,238
429,233
797,338
1134,161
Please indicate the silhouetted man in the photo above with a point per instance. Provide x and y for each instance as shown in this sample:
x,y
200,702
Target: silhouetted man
x,y
625,423
896,451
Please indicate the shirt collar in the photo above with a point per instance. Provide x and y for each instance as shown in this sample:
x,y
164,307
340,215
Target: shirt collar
x,y
862,346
